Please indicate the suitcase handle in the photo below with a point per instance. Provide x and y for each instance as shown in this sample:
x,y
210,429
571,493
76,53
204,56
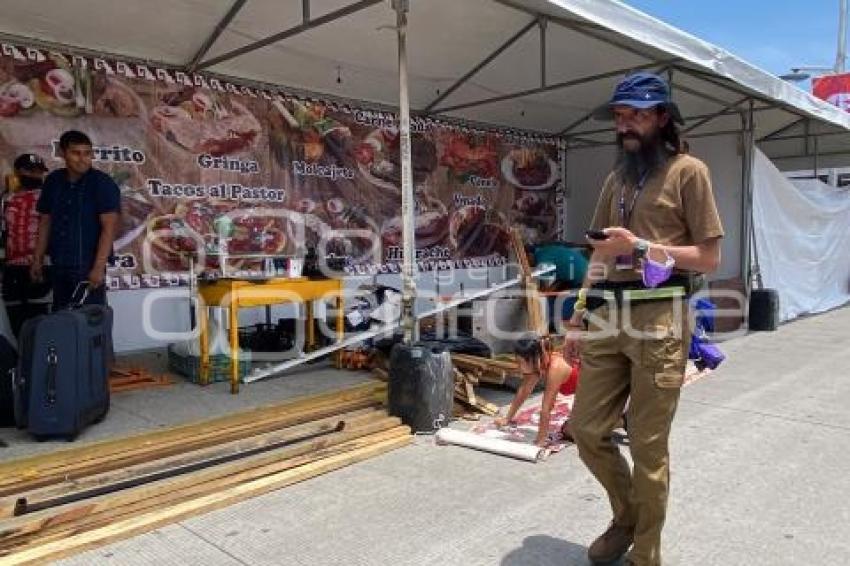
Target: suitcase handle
x,y
52,364
94,317
77,304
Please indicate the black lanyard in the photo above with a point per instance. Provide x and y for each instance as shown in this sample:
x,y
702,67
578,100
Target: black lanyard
x,y
626,216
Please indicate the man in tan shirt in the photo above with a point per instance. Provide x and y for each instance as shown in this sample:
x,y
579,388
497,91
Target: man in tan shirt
x,y
657,228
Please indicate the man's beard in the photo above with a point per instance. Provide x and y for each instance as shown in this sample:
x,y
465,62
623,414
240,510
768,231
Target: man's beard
x,y
632,166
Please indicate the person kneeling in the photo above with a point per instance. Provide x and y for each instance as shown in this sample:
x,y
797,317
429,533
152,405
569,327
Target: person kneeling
x,y
538,361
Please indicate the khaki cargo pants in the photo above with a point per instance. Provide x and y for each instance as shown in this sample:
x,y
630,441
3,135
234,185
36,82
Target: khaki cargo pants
x,y
637,353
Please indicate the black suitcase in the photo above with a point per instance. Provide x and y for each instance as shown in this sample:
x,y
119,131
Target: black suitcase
x,y
8,363
62,382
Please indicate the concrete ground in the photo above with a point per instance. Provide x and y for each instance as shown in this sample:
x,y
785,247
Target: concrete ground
x,y
760,458
133,412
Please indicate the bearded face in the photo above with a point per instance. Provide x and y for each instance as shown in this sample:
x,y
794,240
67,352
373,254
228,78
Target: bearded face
x,y
640,145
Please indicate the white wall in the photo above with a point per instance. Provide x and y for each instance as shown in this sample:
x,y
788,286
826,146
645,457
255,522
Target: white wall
x,y
722,155
587,168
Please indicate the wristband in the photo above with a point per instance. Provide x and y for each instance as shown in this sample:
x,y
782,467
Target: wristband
x,y
581,301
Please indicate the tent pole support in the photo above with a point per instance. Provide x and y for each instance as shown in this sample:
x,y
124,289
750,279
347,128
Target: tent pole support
x,y
816,155
486,61
749,255
704,76
806,131
219,28
694,92
286,34
408,322
782,130
720,112
689,118
543,22
540,90
584,28
586,143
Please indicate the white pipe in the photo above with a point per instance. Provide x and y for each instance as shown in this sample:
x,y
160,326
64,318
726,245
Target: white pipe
x,y
407,221
520,451
841,57
259,374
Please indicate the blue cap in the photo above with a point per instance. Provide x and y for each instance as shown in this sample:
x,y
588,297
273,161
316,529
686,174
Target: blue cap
x,y
640,90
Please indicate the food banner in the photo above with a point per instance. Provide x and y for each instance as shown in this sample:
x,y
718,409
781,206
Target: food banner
x,y
206,166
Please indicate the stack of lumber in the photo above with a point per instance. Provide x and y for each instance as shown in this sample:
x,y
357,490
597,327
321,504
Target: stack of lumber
x,y
466,398
131,379
486,370
470,371
59,504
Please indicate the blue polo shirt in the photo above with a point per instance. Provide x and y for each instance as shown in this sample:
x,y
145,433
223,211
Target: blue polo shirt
x,y
75,209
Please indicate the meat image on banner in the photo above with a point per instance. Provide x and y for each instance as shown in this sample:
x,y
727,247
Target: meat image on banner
x,y
203,164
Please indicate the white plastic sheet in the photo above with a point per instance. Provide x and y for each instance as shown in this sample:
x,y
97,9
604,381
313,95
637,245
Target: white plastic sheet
x,y
802,231
527,452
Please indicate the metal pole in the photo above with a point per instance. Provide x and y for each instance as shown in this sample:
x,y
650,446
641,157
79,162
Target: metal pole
x,y
543,23
842,37
408,322
750,255
816,156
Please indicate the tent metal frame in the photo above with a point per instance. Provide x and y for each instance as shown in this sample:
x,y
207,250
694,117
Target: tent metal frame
x,y
192,66
305,25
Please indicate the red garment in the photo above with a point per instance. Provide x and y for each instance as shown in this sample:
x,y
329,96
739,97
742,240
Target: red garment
x,y
21,227
569,386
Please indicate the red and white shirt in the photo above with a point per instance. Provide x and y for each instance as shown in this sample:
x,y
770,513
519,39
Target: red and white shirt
x,y
21,227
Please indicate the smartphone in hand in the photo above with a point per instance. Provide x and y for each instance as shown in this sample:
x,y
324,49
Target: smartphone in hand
x,y
596,235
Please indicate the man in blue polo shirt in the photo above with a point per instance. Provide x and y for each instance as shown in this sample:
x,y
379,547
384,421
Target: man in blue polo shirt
x,y
79,209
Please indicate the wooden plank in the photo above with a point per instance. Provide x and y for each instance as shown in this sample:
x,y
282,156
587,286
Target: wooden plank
x,y
99,511
138,386
485,363
470,392
492,379
149,521
27,468
376,390
32,465
40,477
71,487
536,318
479,404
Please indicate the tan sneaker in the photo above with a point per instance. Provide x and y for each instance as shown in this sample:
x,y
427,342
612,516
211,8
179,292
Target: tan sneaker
x,y
611,545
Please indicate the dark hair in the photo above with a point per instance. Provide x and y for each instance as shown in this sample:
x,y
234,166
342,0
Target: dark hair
x,y
73,137
669,133
529,346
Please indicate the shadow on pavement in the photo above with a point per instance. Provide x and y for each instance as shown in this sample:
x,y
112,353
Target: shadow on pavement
x,y
543,550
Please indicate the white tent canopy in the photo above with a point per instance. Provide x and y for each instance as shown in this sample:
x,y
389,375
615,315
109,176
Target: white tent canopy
x,y
533,65
547,63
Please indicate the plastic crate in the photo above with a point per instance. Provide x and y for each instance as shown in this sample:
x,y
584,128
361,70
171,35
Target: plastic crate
x,y
190,366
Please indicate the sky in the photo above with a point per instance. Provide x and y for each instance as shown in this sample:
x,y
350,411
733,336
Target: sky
x,y
775,35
